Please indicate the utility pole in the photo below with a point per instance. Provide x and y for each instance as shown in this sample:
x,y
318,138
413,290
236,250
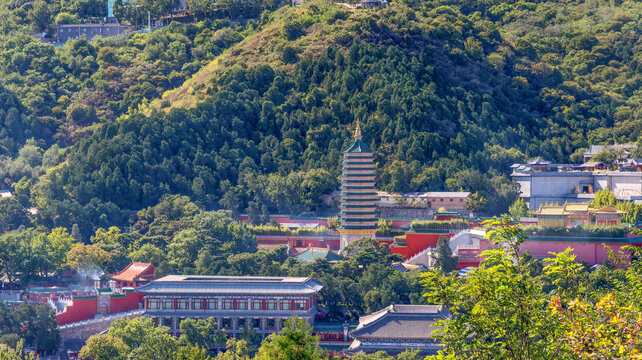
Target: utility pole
x,y
149,20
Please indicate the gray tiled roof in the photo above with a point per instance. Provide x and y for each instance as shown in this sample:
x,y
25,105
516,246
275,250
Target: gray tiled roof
x,y
594,149
401,322
232,285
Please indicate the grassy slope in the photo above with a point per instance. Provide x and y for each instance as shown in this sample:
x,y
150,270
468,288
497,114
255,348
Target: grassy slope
x,y
265,47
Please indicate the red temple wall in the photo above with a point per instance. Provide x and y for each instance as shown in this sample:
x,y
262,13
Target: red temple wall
x,y
125,303
80,309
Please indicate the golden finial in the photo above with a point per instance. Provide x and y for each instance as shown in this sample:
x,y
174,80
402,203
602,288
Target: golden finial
x,y
357,132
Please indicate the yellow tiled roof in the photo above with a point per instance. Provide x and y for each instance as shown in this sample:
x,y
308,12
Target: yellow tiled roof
x,y
609,210
573,207
550,210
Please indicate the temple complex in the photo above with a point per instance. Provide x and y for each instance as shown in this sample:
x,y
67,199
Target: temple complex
x,y
358,192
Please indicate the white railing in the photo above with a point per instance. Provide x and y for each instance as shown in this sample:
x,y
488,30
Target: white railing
x,y
101,319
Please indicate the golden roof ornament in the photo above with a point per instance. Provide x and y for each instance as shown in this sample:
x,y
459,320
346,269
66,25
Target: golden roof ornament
x,y
357,132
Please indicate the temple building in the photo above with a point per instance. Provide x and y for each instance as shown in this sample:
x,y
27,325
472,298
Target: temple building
x,y
358,192
572,215
398,328
263,303
134,275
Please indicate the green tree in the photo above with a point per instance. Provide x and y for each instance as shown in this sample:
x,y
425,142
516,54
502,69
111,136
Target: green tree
x,y
604,197
133,332
40,15
14,255
444,259
148,253
104,347
498,311
12,214
17,353
234,350
9,324
203,332
294,342
40,329
192,352
252,339
379,355
518,209
158,345
83,256
476,202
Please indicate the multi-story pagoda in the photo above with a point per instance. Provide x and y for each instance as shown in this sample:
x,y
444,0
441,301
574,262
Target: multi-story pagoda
x,y
358,192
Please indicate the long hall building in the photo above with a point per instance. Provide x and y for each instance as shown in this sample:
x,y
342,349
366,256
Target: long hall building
x,y
263,303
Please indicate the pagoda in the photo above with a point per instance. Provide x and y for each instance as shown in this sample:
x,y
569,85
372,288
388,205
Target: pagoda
x,y
358,192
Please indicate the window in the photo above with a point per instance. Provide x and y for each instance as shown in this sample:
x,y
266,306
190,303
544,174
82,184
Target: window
x,y
451,200
169,322
270,324
168,304
227,304
197,304
241,323
271,304
286,305
212,304
300,305
182,304
257,304
241,304
461,200
256,323
227,323
153,304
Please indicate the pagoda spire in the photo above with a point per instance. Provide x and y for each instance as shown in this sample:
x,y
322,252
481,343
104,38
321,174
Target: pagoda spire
x,y
357,131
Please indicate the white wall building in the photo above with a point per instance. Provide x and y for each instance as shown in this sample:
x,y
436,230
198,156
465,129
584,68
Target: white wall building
x,y
559,183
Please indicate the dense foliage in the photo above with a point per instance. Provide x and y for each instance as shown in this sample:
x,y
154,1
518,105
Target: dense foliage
x,y
32,326
294,342
513,308
449,95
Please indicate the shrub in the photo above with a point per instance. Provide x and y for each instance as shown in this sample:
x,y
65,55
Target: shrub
x,y
443,225
289,55
292,31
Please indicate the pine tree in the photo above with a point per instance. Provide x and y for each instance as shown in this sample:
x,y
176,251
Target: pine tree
x,y
444,259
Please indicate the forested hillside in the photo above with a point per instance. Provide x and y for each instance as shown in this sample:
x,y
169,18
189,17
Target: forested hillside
x,y
449,94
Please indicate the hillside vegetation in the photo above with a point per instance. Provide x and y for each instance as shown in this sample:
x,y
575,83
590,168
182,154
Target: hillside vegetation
x,y
449,93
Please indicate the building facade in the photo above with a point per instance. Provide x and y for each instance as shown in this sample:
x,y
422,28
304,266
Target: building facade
x,y
421,205
358,192
264,303
542,184
398,328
